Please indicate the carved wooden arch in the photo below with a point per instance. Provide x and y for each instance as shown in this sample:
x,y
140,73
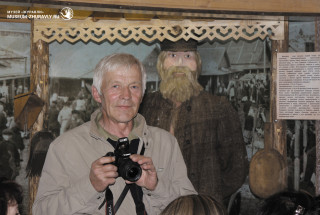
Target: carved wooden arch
x,y
156,29
46,31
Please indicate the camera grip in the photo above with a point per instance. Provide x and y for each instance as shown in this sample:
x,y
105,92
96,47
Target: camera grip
x,y
109,154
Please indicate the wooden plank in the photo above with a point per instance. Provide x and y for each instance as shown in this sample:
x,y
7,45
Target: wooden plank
x,y
289,6
279,129
33,188
39,83
161,13
278,126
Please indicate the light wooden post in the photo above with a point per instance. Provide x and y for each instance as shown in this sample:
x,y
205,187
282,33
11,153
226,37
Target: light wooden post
x,y
39,83
278,130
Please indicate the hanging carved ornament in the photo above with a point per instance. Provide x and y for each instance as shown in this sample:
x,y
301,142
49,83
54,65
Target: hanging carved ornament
x,y
156,29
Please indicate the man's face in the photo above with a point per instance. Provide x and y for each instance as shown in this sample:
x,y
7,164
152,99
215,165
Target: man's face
x,y
187,59
121,94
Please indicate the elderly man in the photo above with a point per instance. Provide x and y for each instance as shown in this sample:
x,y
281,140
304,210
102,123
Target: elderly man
x,y
77,178
206,126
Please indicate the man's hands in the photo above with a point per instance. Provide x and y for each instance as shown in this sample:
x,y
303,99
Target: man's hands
x,y
101,176
148,179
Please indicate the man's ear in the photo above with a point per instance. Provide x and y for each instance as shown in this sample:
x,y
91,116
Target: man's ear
x,y
95,94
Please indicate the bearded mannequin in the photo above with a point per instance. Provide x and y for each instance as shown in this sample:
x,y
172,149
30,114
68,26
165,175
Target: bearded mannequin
x,y
179,83
206,126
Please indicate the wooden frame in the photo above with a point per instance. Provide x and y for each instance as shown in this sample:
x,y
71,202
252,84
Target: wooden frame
x,y
45,32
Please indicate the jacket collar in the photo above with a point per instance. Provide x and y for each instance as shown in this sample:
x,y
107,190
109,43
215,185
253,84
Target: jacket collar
x,y
140,129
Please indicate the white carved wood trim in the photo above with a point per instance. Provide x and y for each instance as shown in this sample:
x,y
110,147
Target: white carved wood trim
x,y
155,29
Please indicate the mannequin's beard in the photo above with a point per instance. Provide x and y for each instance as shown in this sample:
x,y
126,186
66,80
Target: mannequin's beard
x,y
179,88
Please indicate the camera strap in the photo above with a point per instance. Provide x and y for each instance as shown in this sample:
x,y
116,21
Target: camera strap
x,y
137,195
136,191
109,199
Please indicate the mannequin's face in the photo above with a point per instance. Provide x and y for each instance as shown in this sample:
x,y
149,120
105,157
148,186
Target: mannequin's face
x,y
187,59
178,73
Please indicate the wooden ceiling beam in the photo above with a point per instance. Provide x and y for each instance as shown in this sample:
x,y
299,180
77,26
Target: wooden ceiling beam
x,y
270,6
227,9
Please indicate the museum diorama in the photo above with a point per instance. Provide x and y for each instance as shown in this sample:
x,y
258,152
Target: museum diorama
x,y
247,124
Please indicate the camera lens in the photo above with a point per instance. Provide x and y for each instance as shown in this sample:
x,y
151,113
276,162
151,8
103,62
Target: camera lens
x,y
134,173
130,171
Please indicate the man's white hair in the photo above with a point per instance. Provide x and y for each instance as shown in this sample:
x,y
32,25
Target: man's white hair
x,y
113,62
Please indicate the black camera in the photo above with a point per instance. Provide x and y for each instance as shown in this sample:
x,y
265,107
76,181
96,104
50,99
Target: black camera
x,y
127,169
